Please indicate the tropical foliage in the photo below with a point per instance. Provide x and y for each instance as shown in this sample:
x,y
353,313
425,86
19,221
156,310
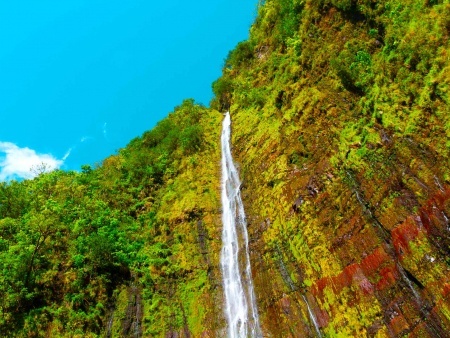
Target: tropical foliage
x,y
341,128
76,247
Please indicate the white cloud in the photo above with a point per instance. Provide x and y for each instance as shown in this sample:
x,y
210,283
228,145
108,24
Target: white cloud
x,y
16,162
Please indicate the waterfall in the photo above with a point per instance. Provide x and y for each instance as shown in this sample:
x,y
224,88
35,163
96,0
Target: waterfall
x,y
240,304
312,317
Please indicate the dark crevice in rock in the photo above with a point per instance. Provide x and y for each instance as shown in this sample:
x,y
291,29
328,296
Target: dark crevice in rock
x,y
413,279
367,209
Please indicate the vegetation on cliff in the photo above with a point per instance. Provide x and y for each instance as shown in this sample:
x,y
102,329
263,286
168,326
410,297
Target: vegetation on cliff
x,y
341,108
104,250
341,128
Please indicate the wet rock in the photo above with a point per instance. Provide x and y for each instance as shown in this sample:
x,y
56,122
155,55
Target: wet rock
x,y
313,190
285,305
296,206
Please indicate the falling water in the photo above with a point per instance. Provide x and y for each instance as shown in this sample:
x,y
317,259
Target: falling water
x,y
240,305
446,220
312,317
410,285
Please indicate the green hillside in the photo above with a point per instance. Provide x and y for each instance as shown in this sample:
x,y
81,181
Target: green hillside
x,y
94,253
341,127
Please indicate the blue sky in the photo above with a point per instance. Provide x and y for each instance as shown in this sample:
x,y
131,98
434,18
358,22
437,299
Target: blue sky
x,y
79,79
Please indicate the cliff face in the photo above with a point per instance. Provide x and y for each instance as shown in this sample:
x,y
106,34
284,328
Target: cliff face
x,y
340,125
340,128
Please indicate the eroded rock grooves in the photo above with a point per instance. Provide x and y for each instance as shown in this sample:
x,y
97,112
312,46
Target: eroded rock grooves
x,y
240,306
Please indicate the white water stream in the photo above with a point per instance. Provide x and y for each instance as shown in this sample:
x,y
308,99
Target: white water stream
x,y
312,317
240,305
